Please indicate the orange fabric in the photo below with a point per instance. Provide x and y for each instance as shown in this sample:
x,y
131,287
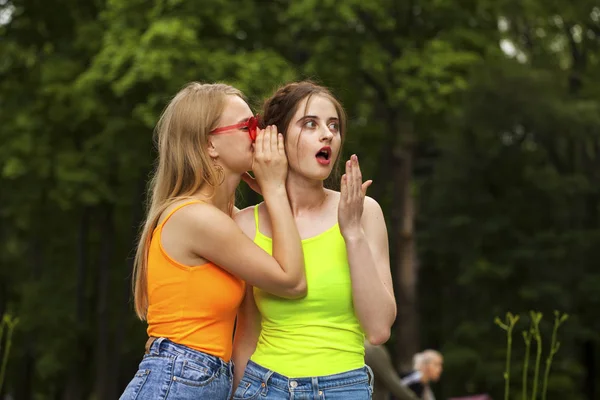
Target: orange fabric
x,y
193,306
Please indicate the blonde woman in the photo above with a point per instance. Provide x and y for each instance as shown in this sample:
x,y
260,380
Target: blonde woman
x,y
192,260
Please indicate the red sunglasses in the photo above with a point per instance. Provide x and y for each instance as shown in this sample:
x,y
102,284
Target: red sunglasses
x,y
251,124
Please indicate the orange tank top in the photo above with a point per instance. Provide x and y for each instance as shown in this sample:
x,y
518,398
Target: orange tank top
x,y
193,306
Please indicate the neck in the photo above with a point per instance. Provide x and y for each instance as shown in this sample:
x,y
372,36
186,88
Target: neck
x,y
221,195
304,194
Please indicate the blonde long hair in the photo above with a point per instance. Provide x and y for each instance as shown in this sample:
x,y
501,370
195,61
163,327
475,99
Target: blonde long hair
x,y
183,167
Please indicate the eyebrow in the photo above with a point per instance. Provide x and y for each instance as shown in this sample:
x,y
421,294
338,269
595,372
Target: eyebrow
x,y
316,117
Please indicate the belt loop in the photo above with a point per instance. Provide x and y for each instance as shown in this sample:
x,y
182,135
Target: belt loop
x,y
267,375
371,377
315,388
153,345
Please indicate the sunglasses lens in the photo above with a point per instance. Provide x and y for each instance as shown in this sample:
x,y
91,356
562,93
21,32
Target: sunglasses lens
x,y
252,127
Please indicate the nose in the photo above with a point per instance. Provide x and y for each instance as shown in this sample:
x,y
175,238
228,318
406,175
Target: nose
x,y
326,134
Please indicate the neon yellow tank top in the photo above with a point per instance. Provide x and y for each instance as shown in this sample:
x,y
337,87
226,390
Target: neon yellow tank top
x,y
319,334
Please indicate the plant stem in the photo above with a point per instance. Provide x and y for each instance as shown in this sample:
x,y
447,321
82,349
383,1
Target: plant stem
x,y
511,321
2,324
554,346
507,373
527,338
10,325
538,339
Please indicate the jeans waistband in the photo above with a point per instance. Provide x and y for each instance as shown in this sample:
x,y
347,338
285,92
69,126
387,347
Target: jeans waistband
x,y
164,347
272,378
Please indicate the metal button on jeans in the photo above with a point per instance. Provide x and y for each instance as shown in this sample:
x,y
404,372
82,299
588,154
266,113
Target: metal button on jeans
x,y
294,384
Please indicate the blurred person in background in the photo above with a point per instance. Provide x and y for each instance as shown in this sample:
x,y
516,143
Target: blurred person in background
x,y
428,367
388,384
192,259
313,347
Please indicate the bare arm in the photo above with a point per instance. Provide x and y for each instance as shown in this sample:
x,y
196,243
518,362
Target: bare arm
x,y
216,237
213,235
363,227
246,335
287,246
368,256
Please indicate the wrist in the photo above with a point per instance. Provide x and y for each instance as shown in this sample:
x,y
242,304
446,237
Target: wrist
x,y
274,190
353,235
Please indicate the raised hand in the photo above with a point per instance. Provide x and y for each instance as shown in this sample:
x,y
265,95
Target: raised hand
x,y
352,198
270,162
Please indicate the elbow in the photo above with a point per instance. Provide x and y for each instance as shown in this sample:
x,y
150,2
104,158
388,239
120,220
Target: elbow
x,y
297,291
379,336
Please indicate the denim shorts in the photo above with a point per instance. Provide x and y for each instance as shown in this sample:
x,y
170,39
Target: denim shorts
x,y
174,372
261,383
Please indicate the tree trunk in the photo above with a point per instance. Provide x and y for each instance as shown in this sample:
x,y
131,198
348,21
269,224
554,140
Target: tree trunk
x,y
403,215
103,360
386,153
82,265
25,392
74,387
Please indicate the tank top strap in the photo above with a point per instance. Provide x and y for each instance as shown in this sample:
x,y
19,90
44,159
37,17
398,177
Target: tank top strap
x,y
174,210
256,220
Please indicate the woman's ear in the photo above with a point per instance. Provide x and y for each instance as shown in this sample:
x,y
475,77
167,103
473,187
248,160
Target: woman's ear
x,y
212,150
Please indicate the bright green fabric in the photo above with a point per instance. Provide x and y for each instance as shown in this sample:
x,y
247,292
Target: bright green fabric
x,y
318,334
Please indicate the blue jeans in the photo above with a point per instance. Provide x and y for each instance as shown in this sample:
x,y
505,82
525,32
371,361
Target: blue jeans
x,y
261,383
174,372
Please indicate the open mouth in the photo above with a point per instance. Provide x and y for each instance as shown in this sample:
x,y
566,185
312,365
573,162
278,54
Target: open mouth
x,y
324,155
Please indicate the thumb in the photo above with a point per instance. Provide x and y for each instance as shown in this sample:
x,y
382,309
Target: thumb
x,y
366,185
251,181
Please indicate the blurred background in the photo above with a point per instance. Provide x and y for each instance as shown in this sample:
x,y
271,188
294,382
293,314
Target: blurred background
x,y
479,122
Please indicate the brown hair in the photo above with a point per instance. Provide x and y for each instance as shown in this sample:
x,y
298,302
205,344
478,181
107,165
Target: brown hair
x,y
183,167
280,108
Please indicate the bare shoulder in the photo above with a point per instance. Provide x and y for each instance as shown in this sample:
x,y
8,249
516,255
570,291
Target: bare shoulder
x,y
192,228
242,215
245,220
372,206
373,222
372,212
201,217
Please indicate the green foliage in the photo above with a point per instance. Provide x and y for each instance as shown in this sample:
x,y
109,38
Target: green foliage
x,y
533,332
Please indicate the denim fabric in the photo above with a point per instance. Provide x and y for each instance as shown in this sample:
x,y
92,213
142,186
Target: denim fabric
x,y
174,372
261,383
